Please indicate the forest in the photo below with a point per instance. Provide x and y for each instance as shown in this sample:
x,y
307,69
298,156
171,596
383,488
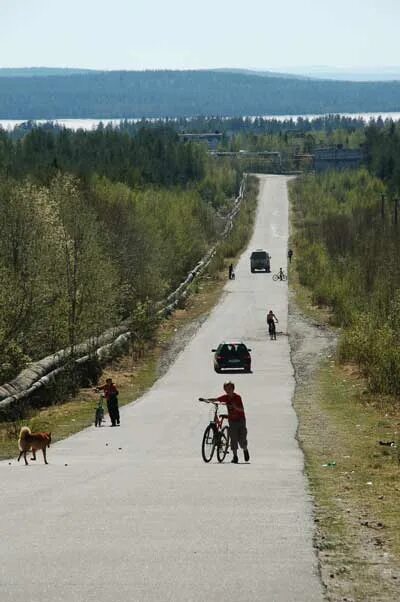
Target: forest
x,y
347,244
151,156
96,228
152,94
54,146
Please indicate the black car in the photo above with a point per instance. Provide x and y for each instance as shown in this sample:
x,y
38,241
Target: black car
x,y
260,260
232,356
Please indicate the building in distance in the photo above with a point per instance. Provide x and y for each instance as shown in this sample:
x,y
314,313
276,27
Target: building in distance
x,y
212,140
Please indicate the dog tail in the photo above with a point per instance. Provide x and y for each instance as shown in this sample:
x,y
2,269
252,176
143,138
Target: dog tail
x,y
24,432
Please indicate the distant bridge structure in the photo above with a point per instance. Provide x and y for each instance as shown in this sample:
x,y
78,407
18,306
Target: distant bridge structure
x,y
256,161
322,159
338,158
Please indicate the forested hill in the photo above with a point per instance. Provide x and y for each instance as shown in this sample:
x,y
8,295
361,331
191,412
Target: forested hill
x,y
40,71
186,93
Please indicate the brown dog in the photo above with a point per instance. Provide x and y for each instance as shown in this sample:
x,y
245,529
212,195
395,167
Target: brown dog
x,y
33,441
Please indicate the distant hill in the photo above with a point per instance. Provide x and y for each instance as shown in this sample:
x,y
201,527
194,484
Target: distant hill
x,y
150,94
347,74
263,73
40,71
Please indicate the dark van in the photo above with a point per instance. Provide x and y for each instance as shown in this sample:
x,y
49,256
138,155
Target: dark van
x,y
260,260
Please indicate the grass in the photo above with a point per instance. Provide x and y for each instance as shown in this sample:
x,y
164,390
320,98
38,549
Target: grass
x,y
356,500
132,376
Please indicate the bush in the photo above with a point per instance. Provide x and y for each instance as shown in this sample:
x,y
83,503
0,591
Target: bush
x,y
348,256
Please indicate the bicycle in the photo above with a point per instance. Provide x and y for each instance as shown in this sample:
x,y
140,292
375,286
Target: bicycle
x,y
279,276
216,435
272,330
99,412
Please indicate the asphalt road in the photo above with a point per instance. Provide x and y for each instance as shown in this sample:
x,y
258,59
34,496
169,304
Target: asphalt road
x,y
138,516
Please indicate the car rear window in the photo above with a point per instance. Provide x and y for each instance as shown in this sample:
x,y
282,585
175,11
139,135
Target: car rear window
x,y
233,349
259,255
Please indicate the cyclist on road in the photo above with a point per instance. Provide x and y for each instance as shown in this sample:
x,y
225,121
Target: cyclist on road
x,y
271,319
237,420
281,274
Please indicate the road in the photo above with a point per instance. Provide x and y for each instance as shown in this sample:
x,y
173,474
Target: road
x,y
136,515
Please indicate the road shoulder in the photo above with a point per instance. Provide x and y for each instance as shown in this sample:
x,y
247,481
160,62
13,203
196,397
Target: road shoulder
x,y
354,534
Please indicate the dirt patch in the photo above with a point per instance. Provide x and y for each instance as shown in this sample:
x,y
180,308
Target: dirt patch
x,y
351,479
310,342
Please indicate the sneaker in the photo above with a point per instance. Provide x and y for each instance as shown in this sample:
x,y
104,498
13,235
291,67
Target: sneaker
x,y
235,460
246,455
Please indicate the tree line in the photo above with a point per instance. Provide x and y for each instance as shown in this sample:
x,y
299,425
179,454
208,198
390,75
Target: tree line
x,y
228,126
151,156
250,125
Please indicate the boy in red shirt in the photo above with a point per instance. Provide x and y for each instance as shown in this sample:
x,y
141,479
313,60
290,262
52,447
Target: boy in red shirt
x,y
111,394
237,420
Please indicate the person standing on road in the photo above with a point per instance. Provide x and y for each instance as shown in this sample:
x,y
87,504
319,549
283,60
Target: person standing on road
x,y
290,255
237,420
111,395
231,272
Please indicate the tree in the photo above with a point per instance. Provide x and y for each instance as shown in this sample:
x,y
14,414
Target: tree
x,y
86,277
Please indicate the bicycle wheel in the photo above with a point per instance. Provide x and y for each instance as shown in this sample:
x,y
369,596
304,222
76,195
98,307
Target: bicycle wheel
x,y
223,444
209,442
275,277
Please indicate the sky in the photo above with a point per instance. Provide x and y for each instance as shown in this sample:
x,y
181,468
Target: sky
x,y
181,34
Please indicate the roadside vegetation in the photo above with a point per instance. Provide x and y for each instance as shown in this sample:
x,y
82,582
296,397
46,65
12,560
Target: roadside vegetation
x,y
136,372
348,257
346,277
88,241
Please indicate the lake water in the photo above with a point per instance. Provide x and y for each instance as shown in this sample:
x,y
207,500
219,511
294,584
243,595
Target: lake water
x,y
90,124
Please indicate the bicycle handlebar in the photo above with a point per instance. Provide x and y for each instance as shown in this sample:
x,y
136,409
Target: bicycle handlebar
x,y
205,400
